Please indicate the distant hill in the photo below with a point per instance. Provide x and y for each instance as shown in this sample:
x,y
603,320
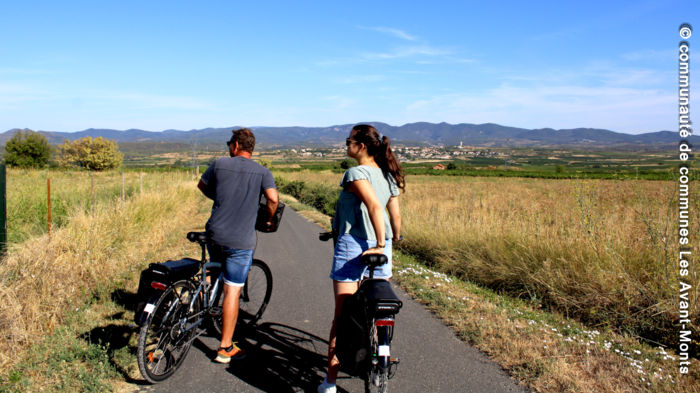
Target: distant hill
x,y
484,135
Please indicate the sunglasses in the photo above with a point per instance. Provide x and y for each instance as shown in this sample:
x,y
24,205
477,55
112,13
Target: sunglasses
x,y
349,141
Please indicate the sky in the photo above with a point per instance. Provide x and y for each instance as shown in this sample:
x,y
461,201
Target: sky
x,y
156,65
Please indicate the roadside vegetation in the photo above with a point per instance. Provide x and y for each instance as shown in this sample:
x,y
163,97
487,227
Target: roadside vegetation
x,y
570,284
599,251
64,319
545,350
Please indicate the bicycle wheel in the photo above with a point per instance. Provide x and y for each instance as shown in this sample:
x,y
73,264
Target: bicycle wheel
x,y
255,295
163,341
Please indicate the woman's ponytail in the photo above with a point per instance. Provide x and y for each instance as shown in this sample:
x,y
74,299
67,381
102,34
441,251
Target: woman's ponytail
x,y
379,147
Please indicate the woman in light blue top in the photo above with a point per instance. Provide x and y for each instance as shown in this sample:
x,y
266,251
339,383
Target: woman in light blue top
x,y
361,221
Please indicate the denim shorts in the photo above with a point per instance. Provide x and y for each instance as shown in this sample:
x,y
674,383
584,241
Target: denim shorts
x,y
236,263
346,259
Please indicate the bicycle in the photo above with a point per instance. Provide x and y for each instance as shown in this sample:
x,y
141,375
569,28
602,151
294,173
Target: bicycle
x,y
187,293
377,305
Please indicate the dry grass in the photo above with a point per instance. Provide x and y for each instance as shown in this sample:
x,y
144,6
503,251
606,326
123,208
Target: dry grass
x,y
42,279
601,250
545,351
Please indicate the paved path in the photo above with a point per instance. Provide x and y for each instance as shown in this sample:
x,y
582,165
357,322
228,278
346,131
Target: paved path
x,y
287,352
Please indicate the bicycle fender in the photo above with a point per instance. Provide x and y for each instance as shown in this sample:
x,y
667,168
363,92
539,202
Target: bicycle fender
x,y
149,308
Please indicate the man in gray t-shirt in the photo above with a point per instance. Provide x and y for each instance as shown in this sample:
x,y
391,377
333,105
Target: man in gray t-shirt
x,y
235,184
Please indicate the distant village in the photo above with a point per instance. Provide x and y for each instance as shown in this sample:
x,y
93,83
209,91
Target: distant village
x,y
403,153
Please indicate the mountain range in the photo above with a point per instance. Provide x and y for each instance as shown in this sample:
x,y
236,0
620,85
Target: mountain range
x,y
420,134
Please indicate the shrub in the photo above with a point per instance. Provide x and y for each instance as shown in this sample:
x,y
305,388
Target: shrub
x,y
347,164
27,149
93,154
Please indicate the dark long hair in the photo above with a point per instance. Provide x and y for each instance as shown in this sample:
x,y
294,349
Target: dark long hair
x,y
380,149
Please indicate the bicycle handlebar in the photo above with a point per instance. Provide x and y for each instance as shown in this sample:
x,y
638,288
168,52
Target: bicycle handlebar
x,y
199,237
326,236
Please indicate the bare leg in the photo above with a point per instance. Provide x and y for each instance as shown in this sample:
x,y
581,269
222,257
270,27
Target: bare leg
x,y
230,314
341,291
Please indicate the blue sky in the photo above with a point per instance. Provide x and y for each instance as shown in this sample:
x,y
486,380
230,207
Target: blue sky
x,y
68,66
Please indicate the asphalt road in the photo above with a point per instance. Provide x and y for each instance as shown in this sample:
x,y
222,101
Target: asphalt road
x,y
287,351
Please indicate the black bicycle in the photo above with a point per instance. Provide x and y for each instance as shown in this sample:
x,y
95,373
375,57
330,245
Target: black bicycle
x,y
366,327
185,294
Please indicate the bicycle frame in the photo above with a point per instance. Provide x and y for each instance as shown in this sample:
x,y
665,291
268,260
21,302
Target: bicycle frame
x,y
187,293
210,291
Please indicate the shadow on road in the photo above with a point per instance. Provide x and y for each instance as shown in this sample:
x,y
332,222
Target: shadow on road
x,y
281,358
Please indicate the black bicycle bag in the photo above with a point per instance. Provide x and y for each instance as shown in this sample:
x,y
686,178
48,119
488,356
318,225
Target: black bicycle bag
x,y
381,298
264,215
352,345
165,273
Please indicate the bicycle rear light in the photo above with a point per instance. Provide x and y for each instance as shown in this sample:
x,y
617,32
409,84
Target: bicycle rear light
x,y
384,322
158,285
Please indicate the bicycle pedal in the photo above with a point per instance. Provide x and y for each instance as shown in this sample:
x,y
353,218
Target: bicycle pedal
x,y
393,365
215,312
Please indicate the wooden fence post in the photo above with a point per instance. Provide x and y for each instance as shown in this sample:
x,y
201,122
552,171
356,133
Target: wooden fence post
x,y
48,200
3,211
92,192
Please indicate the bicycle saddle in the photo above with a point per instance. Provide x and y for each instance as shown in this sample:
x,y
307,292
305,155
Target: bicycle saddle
x,y
373,260
199,237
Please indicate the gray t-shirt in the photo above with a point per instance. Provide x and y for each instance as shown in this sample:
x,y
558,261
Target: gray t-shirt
x,y
236,184
351,215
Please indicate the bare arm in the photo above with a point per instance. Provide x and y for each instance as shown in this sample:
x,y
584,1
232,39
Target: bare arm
x,y
203,187
273,200
363,189
394,217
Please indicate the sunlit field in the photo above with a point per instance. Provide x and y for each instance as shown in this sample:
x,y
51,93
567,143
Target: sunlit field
x,y
600,250
72,191
95,245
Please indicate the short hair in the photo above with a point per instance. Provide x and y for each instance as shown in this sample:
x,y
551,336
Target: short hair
x,y
245,139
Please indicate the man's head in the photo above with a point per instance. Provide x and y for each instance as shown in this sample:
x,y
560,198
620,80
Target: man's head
x,y
242,140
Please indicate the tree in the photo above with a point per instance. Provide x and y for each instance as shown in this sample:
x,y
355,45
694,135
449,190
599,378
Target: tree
x,y
93,154
27,149
347,164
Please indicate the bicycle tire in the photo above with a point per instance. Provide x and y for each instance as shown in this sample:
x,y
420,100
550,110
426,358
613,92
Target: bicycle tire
x,y
162,346
382,385
255,296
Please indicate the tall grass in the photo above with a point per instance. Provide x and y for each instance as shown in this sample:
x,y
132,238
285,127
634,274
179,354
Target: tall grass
x,y
71,191
603,251
42,278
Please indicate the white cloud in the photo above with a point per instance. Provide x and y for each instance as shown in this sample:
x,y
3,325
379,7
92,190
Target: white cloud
x,y
394,32
565,106
339,102
359,79
650,54
403,52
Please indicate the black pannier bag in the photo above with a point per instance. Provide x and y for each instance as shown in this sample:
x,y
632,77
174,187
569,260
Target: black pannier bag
x,y
263,215
373,300
352,345
166,273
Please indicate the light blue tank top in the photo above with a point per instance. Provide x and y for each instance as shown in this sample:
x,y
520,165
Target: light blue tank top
x,y
351,215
